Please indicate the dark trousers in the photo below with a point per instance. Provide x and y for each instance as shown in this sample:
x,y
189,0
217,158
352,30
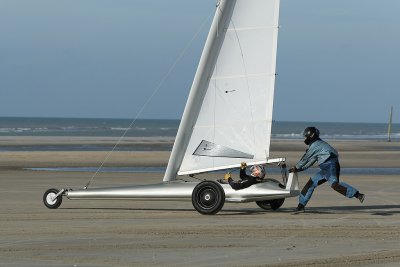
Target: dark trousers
x,y
329,172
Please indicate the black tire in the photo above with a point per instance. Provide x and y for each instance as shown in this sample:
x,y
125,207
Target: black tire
x,y
208,197
52,204
272,204
276,203
264,204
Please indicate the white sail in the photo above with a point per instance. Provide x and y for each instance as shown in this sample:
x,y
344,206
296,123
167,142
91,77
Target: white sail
x,y
228,116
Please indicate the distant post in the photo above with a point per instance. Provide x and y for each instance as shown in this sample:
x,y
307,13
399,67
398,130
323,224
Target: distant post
x,y
390,123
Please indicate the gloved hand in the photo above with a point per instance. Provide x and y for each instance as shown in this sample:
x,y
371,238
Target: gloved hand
x,y
243,165
293,169
227,176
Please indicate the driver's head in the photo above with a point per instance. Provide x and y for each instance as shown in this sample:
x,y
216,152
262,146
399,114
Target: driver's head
x,y
258,171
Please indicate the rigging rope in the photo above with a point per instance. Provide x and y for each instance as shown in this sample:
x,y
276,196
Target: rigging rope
x,y
180,56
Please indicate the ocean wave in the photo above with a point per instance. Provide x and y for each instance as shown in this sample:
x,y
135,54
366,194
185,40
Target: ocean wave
x,y
15,130
287,135
40,130
119,129
340,136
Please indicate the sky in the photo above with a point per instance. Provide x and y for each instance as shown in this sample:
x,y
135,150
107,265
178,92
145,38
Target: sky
x,y
338,60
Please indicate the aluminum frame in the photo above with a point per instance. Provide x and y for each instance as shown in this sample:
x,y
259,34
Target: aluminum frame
x,y
179,190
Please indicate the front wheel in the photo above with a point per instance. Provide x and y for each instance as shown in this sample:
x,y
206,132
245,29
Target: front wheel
x,y
208,197
49,201
272,204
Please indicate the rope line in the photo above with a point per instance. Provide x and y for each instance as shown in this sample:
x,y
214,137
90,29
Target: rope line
x,y
180,56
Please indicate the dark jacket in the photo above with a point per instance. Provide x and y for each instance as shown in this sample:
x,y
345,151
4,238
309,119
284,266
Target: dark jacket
x,y
246,181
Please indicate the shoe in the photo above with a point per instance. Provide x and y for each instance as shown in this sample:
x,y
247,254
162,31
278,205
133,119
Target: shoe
x,y
222,181
360,197
299,209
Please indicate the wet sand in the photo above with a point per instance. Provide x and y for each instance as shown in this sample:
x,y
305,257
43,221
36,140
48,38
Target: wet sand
x,y
334,231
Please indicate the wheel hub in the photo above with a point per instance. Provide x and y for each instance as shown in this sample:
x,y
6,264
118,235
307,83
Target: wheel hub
x,y
208,198
50,198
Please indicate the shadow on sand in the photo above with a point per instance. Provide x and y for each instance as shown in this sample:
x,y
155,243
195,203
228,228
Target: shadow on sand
x,y
378,210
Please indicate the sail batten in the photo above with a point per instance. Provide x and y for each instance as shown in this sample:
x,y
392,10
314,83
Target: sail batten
x,y
228,116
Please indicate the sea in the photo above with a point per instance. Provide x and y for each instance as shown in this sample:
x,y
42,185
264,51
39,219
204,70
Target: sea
x,y
155,128
82,127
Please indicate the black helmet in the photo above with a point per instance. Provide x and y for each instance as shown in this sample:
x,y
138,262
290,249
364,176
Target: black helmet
x,y
310,134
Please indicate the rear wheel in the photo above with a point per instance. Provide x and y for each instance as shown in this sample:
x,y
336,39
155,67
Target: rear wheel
x,y
49,200
208,197
272,204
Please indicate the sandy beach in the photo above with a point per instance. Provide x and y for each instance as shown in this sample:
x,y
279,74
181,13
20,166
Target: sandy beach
x,y
335,231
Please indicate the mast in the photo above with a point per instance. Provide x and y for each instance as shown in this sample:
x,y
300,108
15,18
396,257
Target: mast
x,y
390,124
200,83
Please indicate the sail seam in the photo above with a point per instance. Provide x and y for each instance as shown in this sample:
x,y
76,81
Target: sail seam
x,y
251,28
243,76
227,125
246,78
